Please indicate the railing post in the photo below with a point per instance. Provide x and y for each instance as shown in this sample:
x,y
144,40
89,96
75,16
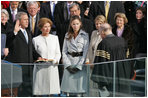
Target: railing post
x,y
11,80
145,76
114,78
88,79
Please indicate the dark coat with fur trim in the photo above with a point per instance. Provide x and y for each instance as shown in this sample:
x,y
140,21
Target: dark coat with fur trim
x,y
128,36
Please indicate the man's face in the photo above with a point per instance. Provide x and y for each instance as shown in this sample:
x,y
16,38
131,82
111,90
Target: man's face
x,y
74,11
24,21
14,4
32,9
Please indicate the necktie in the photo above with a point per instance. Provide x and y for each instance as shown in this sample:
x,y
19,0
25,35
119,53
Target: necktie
x,y
26,36
13,16
53,9
33,24
106,9
68,10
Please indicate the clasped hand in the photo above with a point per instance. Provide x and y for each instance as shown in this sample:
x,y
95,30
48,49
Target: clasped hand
x,y
72,70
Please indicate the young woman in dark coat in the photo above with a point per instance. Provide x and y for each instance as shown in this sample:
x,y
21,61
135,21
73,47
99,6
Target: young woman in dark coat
x,y
140,31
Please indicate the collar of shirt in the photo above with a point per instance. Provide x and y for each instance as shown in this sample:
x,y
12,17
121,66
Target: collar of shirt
x,y
110,35
15,11
108,2
55,2
32,17
22,30
68,4
52,6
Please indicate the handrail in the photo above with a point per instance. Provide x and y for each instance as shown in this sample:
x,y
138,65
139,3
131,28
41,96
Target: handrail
x,y
83,64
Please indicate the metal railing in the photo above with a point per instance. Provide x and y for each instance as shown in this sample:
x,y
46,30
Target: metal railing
x,y
9,71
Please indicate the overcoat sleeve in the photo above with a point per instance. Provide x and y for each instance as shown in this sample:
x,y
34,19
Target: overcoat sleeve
x,y
85,49
66,60
57,52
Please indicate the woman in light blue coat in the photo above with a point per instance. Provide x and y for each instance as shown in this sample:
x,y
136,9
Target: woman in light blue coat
x,y
74,54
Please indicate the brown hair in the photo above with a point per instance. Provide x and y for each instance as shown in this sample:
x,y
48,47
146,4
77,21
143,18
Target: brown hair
x,y
70,29
121,15
142,9
43,21
100,18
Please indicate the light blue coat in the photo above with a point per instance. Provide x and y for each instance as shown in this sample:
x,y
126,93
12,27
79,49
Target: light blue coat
x,y
75,83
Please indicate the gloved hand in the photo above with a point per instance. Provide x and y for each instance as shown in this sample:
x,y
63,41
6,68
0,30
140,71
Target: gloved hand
x,y
75,69
70,69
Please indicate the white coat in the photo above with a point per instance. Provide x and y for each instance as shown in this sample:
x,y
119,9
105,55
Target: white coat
x,y
46,77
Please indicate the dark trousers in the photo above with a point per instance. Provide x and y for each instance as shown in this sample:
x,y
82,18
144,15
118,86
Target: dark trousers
x,y
25,89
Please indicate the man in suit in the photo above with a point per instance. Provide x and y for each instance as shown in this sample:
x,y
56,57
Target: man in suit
x,y
21,50
13,10
99,8
32,8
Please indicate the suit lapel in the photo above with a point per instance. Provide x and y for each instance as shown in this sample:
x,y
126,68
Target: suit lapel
x,y
110,10
21,35
10,15
101,6
36,23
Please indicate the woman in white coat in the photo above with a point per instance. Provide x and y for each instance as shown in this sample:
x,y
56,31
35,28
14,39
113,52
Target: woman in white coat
x,y
74,82
46,77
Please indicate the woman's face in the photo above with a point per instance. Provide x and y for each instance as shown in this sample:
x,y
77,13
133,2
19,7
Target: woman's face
x,y
46,28
4,18
98,24
119,22
139,14
76,24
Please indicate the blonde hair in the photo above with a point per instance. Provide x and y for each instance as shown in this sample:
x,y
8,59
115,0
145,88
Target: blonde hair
x,y
43,21
5,12
100,18
121,15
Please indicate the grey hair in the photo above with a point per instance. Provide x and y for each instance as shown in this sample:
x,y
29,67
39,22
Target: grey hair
x,y
105,27
19,14
74,4
5,12
31,3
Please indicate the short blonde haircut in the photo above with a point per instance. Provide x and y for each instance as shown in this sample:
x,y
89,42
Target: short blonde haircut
x,y
5,12
100,18
121,15
43,21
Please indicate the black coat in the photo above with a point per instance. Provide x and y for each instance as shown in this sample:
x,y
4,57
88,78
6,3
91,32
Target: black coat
x,y
140,33
128,35
45,10
19,50
97,8
5,29
61,21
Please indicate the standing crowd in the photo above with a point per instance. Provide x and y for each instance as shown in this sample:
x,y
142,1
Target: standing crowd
x,y
73,33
